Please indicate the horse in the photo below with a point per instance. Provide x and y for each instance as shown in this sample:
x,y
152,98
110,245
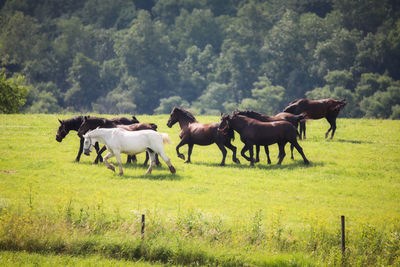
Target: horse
x,y
120,141
74,123
283,116
195,133
91,123
253,132
317,109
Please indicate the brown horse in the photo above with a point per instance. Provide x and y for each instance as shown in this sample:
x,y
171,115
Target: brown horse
x,y
283,116
317,109
195,133
253,132
74,123
91,123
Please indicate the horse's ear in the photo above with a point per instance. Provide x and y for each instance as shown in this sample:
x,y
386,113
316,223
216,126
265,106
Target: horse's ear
x,y
61,122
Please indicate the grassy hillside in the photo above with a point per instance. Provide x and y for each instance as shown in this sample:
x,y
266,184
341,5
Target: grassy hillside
x,y
205,214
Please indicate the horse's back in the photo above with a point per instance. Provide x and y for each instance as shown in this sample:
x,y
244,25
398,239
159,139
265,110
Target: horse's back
x,y
202,133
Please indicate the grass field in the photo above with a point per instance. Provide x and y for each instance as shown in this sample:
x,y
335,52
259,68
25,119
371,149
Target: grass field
x,y
286,215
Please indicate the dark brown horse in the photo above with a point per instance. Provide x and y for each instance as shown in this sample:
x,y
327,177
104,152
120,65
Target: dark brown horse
x,y
195,133
91,123
317,109
253,132
74,123
68,125
283,116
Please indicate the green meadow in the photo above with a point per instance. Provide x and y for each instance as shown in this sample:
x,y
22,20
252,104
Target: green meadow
x,y
56,211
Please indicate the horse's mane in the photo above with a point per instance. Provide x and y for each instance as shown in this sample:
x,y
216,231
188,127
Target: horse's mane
x,y
73,123
186,113
252,114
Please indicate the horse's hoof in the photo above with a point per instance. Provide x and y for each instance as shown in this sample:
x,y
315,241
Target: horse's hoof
x,y
111,168
307,162
181,156
120,174
236,161
187,161
172,169
222,164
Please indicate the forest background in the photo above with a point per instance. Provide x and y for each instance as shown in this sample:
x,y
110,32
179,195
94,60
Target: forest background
x,y
145,56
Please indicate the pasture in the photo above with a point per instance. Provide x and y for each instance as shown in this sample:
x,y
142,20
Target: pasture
x,y
204,214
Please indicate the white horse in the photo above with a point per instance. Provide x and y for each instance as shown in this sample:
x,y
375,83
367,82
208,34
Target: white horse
x,y
119,141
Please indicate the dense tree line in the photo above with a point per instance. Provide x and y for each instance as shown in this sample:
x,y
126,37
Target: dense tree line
x,y
145,56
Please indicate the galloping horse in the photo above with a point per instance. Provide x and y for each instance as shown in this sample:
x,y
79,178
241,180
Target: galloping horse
x,y
195,133
120,141
317,109
74,123
253,132
283,116
91,123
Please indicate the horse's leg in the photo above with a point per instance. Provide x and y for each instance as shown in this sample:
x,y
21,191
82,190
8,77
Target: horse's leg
x,y
147,159
118,157
234,149
257,153
131,159
298,147
181,143
190,149
332,122
109,165
167,160
78,157
158,163
223,150
251,155
243,151
282,153
267,153
303,129
291,151
152,157
99,152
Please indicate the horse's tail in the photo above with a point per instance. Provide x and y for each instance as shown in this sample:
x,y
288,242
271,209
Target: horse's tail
x,y
165,138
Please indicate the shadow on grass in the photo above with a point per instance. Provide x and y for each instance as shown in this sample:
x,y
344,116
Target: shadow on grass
x,y
293,164
153,176
350,141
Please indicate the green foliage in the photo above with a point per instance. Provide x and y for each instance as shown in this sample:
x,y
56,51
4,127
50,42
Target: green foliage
x,y
167,104
184,47
13,93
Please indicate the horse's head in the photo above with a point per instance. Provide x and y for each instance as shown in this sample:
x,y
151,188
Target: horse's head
x,y
87,144
224,123
62,131
173,117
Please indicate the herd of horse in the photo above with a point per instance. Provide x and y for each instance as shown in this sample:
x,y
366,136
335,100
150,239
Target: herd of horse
x,y
129,136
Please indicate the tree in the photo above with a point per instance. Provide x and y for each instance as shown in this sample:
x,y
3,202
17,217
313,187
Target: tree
x,y
84,79
167,104
13,93
266,98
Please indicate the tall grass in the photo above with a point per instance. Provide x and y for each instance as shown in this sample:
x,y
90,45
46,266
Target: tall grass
x,y
205,214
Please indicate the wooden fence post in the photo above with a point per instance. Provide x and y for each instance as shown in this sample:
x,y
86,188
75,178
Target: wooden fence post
x,y
143,224
343,236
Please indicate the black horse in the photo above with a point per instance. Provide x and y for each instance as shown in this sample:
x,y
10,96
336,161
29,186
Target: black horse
x,y
253,132
91,123
195,133
283,116
74,123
